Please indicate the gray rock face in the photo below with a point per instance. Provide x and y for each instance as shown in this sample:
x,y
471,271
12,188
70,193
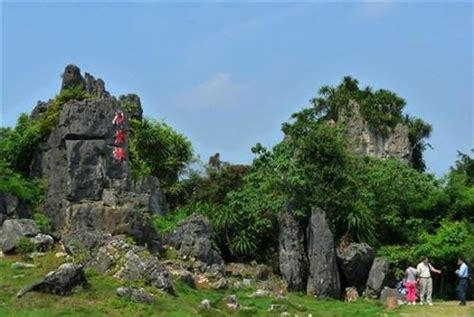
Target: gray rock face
x,y
132,103
363,141
95,86
192,239
323,272
150,193
13,230
355,262
87,188
377,277
59,282
136,295
292,256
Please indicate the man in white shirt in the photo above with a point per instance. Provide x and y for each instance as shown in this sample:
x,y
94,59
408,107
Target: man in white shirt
x,y
424,269
463,276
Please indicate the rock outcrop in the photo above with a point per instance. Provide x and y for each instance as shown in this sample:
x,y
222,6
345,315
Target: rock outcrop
x,y
136,295
364,141
377,277
323,271
59,282
87,188
292,255
192,240
355,261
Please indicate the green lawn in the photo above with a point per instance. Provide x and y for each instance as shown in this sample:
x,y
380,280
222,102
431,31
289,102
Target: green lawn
x,y
100,300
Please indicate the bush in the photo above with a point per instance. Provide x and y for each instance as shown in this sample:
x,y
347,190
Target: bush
x,y
18,145
25,246
43,222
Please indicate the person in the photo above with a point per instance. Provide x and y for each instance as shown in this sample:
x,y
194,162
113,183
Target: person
x,y
463,276
424,269
410,284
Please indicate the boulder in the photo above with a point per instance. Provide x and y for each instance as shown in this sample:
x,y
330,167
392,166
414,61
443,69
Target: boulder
x,y
13,230
351,294
292,257
22,265
136,295
355,261
42,242
377,277
206,304
390,292
323,271
59,282
232,302
192,239
12,207
258,271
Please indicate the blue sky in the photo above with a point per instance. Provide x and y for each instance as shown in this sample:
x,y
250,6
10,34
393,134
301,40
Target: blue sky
x,y
228,74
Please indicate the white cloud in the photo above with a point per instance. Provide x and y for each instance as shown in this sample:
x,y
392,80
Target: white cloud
x,y
218,90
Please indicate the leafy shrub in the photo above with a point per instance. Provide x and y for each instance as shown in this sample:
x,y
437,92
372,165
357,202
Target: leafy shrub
x,y
29,190
42,221
25,246
156,149
166,223
18,145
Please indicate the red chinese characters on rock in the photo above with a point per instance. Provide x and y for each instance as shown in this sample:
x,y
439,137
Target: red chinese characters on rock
x,y
119,137
119,118
119,154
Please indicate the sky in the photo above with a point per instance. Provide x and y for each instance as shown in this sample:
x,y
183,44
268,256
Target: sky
x,y
227,75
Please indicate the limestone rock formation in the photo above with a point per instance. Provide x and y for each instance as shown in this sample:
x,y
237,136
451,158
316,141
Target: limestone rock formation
x,y
377,277
355,261
363,141
292,257
136,295
323,272
87,188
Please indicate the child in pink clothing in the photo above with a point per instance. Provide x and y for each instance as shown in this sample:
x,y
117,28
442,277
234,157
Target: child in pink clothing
x,y
410,284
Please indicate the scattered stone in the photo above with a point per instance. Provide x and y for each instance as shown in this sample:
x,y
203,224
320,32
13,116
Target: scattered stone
x,y
37,254
219,284
260,293
280,295
13,230
351,294
42,242
377,277
22,265
18,276
323,271
1,254
60,254
136,295
246,282
206,304
59,282
232,302
276,307
187,278
285,314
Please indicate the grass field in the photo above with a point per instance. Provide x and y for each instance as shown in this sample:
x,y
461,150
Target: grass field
x,y
100,300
